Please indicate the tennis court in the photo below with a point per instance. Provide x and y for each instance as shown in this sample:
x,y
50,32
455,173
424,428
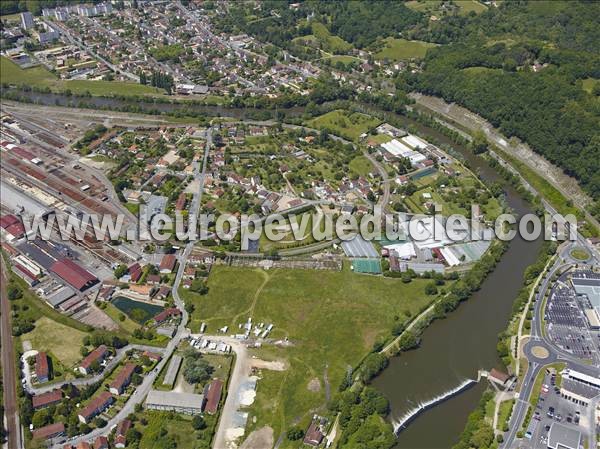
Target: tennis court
x,y
371,266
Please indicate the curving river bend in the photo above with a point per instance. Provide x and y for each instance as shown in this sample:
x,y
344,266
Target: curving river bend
x,y
453,349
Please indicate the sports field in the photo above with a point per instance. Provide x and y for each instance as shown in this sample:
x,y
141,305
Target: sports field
x,y
302,305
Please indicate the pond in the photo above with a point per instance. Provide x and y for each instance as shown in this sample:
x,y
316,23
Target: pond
x,y
138,311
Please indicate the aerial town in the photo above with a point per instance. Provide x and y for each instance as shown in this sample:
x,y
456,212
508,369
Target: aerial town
x,y
141,139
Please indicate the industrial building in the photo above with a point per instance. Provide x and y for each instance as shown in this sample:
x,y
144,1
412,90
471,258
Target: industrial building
x,y
74,275
172,371
188,403
563,437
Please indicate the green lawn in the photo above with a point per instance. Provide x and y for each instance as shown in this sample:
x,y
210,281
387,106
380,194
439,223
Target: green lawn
x,y
345,124
331,43
401,49
302,305
162,427
466,6
342,58
127,325
589,83
62,341
433,6
580,253
504,413
38,76
361,165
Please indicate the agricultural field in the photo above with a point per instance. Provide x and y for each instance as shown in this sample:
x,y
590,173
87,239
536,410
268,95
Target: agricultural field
x,y
401,49
302,304
345,124
11,73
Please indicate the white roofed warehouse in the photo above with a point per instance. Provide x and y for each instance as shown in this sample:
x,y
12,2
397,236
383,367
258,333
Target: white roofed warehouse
x,y
188,403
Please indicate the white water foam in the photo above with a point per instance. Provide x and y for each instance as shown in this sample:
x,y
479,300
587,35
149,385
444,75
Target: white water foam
x,y
421,407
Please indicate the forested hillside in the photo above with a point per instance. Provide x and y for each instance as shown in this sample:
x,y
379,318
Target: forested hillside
x,y
522,66
531,68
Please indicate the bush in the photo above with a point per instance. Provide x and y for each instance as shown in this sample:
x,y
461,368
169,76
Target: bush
x,y
295,433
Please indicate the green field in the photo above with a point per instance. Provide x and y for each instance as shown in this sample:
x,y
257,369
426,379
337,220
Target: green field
x,y
588,84
401,49
38,76
331,43
126,325
162,427
433,6
302,305
58,339
345,124
466,6
361,166
341,58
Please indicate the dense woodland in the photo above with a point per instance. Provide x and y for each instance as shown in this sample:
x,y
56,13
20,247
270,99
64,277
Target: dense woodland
x,y
489,70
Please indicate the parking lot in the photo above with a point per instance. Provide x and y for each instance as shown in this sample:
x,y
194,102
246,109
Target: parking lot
x,y
550,408
567,325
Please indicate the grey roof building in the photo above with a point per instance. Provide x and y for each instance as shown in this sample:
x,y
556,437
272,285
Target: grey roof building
x,y
172,370
188,403
563,437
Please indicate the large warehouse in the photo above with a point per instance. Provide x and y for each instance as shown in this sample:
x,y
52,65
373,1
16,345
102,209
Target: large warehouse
x,y
188,403
74,275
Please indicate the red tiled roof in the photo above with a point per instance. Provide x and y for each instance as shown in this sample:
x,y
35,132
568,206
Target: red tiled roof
x,y
168,262
313,435
123,377
180,204
49,431
98,403
152,355
101,442
162,316
213,396
12,225
25,270
73,274
44,399
84,445
41,365
96,354
123,427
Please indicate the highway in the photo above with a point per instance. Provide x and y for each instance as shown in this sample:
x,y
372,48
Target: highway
x,y
9,381
142,390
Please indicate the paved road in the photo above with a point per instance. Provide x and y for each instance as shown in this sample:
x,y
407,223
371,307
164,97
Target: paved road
x,y
121,353
11,412
539,338
142,390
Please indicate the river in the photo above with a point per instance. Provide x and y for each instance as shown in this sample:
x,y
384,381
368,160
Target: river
x,y
453,349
